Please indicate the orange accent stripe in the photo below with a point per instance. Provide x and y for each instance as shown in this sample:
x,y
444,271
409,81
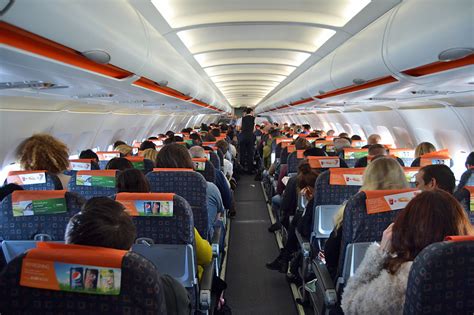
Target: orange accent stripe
x,y
29,195
439,66
81,160
13,173
153,86
459,238
359,87
135,158
199,159
24,40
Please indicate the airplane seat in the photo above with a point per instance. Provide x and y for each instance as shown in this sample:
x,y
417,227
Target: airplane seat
x,y
441,279
278,150
365,221
90,165
293,163
188,184
416,162
149,165
34,180
140,163
209,171
28,222
214,158
220,155
83,279
466,179
463,195
94,183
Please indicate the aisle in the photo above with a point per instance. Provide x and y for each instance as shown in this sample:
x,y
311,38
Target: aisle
x,y
253,289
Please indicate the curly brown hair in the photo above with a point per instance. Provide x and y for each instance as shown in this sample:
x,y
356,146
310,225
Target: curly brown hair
x,y
43,152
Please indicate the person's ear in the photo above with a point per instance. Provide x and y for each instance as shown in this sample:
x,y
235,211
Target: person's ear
x,y
432,184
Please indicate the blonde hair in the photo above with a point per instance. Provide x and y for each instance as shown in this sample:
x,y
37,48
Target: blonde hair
x,y
384,173
423,148
339,216
150,154
124,149
43,152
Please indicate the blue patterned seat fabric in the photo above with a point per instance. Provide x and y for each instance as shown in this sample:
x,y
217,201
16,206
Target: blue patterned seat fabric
x,y
293,162
141,293
214,158
89,192
441,280
148,166
463,196
191,186
178,229
209,172
358,226
26,227
52,183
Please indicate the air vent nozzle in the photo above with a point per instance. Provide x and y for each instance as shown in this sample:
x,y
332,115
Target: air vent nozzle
x,y
455,53
97,55
359,81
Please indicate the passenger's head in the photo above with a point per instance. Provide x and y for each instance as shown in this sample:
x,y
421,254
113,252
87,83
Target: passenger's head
x,y
428,218
124,149
169,134
150,154
223,146
330,133
132,180
384,173
102,222
341,143
209,138
43,152
174,156
343,135
147,145
377,149
437,176
374,139
423,148
197,152
470,160
356,137
117,143
215,132
248,111
302,144
178,139
196,138
306,178
89,154
118,163
314,152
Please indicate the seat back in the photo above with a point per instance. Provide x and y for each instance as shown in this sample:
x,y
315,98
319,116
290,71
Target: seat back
x,y
81,165
173,226
466,197
323,220
365,220
34,180
25,214
336,193
204,167
214,159
355,253
293,162
96,183
188,184
140,163
105,157
113,281
441,279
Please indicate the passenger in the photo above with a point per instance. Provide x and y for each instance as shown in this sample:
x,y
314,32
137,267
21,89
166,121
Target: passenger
x,y
467,174
118,163
117,143
376,150
215,132
372,139
169,134
305,184
438,176
177,156
382,173
196,138
379,284
124,149
147,145
421,149
356,137
89,154
132,180
215,207
339,145
343,135
150,154
44,152
228,167
8,189
103,222
330,133
178,139
209,138
247,141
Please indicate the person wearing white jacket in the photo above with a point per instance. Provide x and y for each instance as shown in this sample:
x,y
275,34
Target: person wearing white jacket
x,y
379,284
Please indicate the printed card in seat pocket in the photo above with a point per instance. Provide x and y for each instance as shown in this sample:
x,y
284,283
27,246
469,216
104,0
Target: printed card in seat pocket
x,y
27,202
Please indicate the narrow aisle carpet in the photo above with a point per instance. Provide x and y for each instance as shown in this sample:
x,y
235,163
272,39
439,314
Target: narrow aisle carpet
x,y
252,288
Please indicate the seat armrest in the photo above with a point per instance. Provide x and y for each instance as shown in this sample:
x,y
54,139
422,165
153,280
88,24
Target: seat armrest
x,y
324,284
205,287
304,244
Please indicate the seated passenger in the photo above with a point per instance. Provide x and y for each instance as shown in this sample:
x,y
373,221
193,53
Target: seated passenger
x,y
103,222
44,152
339,145
467,174
150,154
125,150
132,180
379,283
356,137
147,145
375,150
437,176
8,189
372,139
330,133
117,143
381,174
118,163
89,154
422,148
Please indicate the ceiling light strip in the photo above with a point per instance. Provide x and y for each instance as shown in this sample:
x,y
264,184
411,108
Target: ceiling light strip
x,y
21,39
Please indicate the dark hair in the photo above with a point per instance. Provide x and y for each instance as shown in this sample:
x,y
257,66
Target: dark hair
x,y
178,139
306,175
470,159
147,145
209,138
89,154
248,110
153,138
376,147
356,137
428,218
443,175
169,134
345,135
314,152
132,180
215,132
102,222
118,163
302,144
118,142
223,146
174,156
8,189
168,141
